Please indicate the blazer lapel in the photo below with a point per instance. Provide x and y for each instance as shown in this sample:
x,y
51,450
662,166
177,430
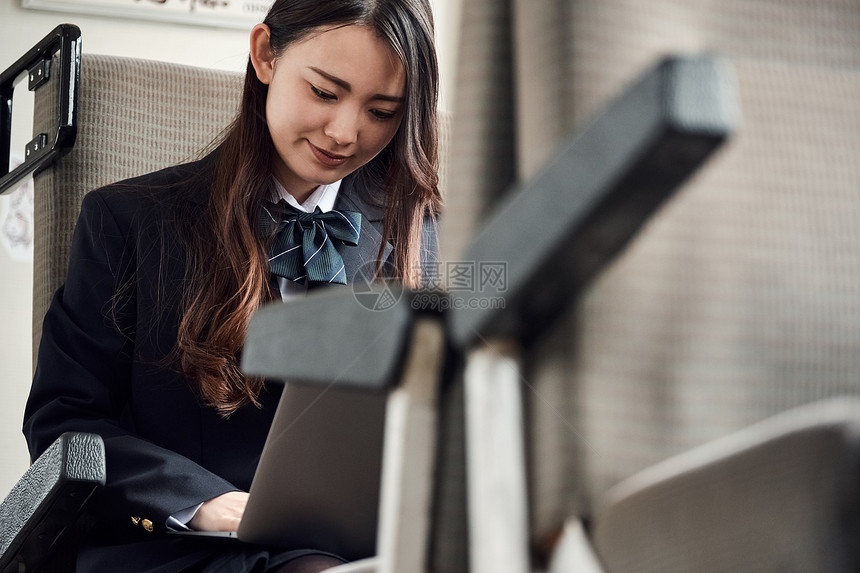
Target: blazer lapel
x,y
370,236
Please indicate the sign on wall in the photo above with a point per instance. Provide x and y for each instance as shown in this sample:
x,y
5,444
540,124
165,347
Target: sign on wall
x,y
241,14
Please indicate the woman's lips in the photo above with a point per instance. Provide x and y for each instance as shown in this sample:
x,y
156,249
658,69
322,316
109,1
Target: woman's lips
x,y
327,158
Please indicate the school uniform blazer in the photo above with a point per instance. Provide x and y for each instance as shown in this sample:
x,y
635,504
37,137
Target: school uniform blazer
x,y
101,365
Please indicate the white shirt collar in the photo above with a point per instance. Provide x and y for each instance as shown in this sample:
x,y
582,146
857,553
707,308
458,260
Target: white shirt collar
x,y
323,197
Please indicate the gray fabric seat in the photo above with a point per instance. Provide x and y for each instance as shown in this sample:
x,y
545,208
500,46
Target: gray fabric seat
x,y
135,116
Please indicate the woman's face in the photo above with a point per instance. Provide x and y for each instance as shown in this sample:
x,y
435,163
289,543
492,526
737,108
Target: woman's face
x,y
335,101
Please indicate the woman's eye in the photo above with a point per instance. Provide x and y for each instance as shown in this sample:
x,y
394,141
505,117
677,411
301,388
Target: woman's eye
x,y
323,94
381,114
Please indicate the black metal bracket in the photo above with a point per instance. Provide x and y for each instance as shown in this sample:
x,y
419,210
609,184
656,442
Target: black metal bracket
x,y
44,149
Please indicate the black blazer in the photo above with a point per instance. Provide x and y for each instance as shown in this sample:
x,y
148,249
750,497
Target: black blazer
x,y
101,365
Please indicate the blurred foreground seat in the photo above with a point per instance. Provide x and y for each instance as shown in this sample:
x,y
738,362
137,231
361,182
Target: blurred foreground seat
x,y
738,300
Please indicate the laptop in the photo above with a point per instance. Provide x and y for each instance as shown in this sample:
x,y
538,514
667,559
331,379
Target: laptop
x,y
318,481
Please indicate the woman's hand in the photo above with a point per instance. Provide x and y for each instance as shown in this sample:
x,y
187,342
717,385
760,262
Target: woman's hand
x,y
222,513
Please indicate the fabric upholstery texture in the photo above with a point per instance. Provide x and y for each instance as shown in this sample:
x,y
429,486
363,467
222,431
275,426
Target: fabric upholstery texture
x,y
739,299
135,116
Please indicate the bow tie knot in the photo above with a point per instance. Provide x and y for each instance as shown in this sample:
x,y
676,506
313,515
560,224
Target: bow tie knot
x,y
304,247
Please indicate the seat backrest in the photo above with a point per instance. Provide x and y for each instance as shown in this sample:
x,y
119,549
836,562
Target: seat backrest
x,y
135,116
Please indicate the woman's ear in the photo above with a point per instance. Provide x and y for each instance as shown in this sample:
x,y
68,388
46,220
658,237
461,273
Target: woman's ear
x,y
261,53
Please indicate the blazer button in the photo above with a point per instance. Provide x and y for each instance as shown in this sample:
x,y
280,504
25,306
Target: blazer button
x,y
144,523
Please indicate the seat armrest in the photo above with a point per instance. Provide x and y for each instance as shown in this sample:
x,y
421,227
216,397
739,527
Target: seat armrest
x,y
781,495
343,339
47,500
554,233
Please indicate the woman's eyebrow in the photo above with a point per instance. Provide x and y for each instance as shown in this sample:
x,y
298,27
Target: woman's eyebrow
x,y
348,87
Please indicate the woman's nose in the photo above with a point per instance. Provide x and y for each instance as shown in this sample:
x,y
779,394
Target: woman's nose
x,y
343,127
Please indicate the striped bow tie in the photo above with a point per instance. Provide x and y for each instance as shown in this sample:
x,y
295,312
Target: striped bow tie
x,y
304,244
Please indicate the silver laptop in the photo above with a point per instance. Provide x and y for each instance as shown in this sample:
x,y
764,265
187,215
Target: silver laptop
x,y
318,481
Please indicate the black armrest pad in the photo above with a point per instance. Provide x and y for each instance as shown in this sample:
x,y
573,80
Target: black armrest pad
x,y
48,499
781,495
330,338
565,224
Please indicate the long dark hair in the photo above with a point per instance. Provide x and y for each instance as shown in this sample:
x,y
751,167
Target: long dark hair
x,y
227,273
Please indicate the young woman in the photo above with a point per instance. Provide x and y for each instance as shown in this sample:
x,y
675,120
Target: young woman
x,y
142,343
